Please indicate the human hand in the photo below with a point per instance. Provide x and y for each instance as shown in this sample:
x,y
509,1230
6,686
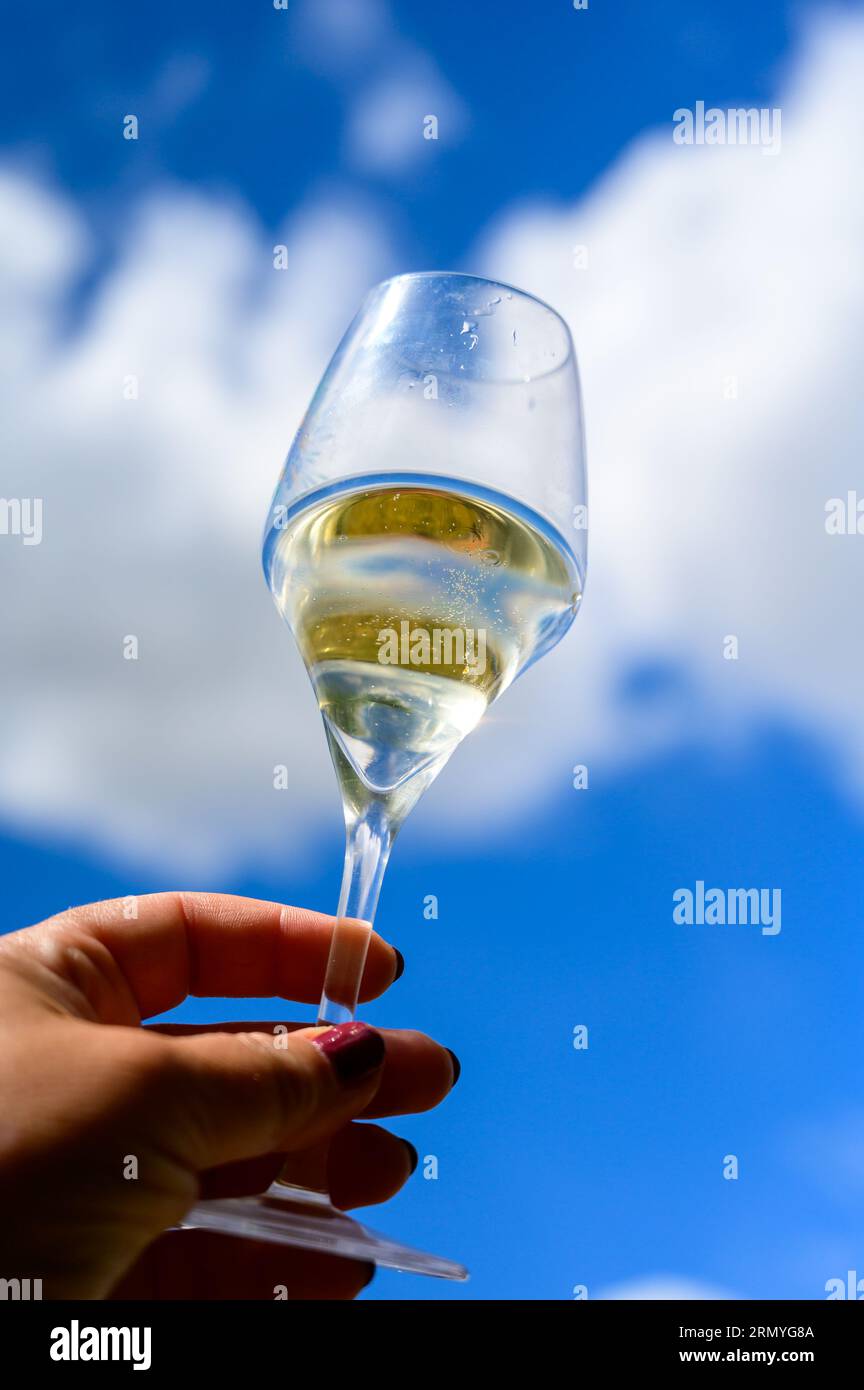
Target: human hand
x,y
87,1094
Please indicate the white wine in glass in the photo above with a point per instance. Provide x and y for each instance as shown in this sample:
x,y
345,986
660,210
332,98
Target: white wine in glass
x,y
415,602
426,544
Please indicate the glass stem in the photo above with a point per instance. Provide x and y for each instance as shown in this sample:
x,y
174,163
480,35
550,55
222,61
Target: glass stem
x,y
367,849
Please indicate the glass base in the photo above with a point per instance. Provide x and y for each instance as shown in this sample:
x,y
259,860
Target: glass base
x,y
295,1216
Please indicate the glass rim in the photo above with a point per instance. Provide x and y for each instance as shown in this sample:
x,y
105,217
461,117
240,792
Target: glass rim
x,y
493,284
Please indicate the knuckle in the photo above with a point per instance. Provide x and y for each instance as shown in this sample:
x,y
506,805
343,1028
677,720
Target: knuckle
x,y
149,1065
292,1087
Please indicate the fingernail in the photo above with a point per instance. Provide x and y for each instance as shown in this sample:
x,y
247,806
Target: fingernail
x,y
354,1051
400,964
413,1156
457,1065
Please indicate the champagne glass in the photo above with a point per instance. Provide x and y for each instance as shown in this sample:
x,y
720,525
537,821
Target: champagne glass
x,y
426,544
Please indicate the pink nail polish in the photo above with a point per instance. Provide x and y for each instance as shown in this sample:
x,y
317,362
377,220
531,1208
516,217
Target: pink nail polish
x,y
354,1051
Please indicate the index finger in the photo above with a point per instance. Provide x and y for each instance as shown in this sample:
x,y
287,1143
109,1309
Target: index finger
x,y
170,945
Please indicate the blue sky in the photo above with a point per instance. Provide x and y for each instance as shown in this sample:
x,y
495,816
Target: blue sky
x,y
554,97
556,1167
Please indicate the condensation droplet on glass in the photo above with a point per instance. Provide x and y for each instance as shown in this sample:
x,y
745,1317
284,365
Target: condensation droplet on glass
x,y
514,337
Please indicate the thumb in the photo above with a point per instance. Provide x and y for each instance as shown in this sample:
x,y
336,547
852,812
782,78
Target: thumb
x,y
240,1095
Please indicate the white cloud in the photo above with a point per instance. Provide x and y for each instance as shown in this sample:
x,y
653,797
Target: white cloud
x,y
386,126
391,86
338,36
153,515
179,84
658,1288
707,514
830,1152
